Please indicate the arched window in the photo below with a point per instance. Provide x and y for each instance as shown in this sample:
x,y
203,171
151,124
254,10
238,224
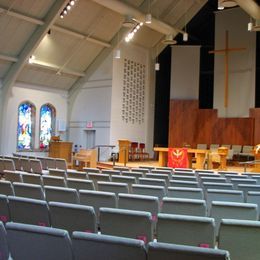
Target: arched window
x,y
47,124
25,128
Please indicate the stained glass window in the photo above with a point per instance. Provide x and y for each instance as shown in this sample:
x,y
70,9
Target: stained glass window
x,y
26,116
47,119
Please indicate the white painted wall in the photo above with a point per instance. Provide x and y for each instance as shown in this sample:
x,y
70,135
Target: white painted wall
x,y
38,96
241,64
93,104
185,65
139,132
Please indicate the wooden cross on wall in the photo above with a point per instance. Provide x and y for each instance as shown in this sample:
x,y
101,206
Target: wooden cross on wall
x,y
226,54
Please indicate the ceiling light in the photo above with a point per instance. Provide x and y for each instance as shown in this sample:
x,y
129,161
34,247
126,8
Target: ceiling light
x,y
67,8
131,34
185,37
226,4
169,40
148,18
250,26
117,54
157,66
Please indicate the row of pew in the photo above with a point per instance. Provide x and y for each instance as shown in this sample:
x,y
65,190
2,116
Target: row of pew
x,y
136,224
23,241
153,218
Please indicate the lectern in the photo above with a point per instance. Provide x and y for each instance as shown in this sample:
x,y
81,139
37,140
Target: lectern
x,y
257,158
61,150
123,150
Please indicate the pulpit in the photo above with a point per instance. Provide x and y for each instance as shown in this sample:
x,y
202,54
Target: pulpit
x,y
223,152
60,150
123,150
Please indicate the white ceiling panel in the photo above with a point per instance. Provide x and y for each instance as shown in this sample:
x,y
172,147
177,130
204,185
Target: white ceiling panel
x,y
77,40
42,77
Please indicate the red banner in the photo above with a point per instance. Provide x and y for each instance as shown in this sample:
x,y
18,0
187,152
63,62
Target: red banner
x,y
178,158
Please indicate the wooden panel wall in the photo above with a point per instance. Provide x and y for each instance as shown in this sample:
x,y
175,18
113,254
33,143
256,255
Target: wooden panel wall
x,y
255,113
191,125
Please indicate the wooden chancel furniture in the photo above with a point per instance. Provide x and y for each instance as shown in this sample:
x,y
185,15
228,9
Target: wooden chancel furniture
x,y
86,158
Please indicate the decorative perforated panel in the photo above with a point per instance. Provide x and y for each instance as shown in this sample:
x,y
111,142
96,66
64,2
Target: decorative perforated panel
x,y
133,92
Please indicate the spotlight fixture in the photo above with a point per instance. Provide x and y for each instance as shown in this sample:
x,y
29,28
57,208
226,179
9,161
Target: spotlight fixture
x,y
67,8
148,18
31,59
131,34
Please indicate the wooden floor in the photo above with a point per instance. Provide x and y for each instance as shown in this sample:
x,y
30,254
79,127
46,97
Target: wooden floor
x,y
134,164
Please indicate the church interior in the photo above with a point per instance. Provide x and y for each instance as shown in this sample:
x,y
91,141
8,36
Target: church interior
x,y
130,129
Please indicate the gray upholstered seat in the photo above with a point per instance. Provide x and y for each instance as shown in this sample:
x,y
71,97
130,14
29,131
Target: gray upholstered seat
x,y
50,162
77,175
88,246
6,188
165,177
60,194
73,217
4,249
98,199
224,195
29,211
183,192
241,238
4,209
126,223
213,179
36,166
188,184
153,182
111,172
116,187
28,190
32,178
26,165
181,252
182,206
13,176
139,202
9,164
80,184
61,164
54,181
57,172
150,190
41,243
124,179
237,181
218,186
177,177
254,197
137,175
95,177
91,170
232,210
248,187
186,230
